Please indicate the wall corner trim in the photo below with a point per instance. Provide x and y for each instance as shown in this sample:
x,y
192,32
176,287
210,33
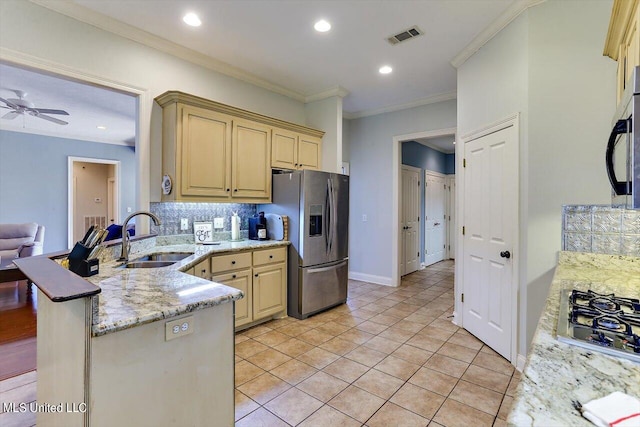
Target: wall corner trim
x,y
508,16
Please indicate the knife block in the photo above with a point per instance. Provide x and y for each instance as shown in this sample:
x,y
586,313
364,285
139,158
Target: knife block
x,y
79,264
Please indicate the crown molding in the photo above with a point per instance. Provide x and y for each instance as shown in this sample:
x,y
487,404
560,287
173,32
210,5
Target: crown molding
x,y
174,96
447,96
338,91
508,16
106,23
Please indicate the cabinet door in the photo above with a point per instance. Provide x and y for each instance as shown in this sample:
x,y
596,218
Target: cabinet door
x,y
204,152
632,46
269,290
251,166
284,149
309,152
203,269
240,279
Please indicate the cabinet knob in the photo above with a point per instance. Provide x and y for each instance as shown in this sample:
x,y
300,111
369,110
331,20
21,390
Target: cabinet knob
x,y
233,262
270,256
296,165
204,271
256,275
228,189
233,277
235,190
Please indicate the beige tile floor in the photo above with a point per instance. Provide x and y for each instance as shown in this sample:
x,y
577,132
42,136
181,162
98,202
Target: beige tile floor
x,y
389,357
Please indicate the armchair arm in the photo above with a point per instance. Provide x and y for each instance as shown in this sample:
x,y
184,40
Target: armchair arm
x,y
30,249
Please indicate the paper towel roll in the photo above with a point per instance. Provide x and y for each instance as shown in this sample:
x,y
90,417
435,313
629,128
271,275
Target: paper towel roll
x,y
235,227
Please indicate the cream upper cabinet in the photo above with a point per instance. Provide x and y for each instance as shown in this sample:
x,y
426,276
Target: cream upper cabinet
x,y
292,150
213,152
251,154
623,40
309,152
284,153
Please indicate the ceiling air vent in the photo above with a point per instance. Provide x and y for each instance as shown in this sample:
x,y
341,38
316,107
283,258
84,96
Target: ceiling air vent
x,y
405,35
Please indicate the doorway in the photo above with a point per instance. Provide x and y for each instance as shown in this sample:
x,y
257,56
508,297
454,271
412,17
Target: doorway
x,y
429,150
93,189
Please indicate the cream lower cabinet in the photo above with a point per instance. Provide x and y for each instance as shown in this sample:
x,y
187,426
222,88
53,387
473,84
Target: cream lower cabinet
x,y
261,275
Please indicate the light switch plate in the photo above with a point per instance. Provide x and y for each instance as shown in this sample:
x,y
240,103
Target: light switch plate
x,y
178,328
184,224
218,222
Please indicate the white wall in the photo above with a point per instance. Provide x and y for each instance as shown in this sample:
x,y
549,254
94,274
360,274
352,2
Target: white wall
x,y
326,114
345,140
547,65
41,34
571,104
371,163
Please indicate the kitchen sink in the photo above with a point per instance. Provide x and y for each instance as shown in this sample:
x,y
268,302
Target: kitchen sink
x,y
173,257
157,260
148,264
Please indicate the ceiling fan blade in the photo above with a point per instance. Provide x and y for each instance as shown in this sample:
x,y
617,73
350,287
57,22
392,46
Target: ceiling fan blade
x,y
10,104
11,115
51,119
50,111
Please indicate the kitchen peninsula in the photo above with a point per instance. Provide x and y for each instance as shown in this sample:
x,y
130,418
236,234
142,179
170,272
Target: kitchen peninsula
x,y
558,374
137,346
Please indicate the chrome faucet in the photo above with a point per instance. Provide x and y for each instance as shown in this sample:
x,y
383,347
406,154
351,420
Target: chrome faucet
x,y
126,245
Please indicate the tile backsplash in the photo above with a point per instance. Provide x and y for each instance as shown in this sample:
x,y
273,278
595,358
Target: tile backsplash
x,y
601,229
171,212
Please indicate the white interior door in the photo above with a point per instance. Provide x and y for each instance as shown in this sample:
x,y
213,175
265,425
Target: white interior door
x,y
410,225
434,197
490,232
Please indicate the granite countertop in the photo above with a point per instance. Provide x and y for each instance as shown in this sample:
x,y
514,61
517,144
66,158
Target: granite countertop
x,y
135,296
556,373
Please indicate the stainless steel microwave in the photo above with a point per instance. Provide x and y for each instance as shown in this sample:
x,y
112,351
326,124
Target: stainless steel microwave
x,y
623,148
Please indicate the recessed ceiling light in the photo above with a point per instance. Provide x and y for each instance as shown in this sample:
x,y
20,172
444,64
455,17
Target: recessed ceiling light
x,y
101,127
192,19
322,26
385,69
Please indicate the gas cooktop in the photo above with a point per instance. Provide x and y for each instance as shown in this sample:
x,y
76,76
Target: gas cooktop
x,y
600,322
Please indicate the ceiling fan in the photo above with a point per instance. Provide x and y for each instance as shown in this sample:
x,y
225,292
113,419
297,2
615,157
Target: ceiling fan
x,y
19,106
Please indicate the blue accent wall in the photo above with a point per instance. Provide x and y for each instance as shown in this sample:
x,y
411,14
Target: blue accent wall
x,y
33,180
426,158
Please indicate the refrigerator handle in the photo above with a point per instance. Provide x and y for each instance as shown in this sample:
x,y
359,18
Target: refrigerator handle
x,y
330,209
323,269
334,215
327,204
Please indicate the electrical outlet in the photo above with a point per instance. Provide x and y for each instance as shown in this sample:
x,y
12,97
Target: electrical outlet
x,y
178,328
184,224
218,222
364,217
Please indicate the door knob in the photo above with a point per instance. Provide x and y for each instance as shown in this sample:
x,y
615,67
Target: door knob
x,y
505,254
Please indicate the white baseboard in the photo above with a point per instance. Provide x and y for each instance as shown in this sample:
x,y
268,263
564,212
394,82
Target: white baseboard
x,y
455,319
520,362
378,280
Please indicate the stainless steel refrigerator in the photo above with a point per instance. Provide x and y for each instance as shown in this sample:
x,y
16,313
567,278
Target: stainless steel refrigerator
x,y
317,204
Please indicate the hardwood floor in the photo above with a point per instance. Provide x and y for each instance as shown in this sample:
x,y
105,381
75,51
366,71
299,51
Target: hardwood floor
x,y
18,308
